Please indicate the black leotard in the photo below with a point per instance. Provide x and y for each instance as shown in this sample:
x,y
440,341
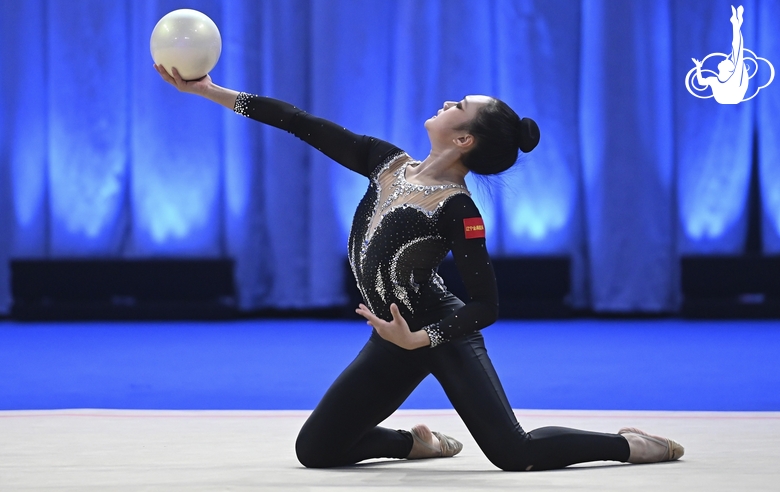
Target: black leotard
x,y
396,261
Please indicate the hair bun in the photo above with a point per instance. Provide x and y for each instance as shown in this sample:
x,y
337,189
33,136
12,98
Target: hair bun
x,y
528,135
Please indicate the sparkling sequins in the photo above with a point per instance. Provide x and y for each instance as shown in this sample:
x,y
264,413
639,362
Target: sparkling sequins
x,y
435,334
398,237
439,282
414,285
396,233
242,103
400,287
404,188
380,286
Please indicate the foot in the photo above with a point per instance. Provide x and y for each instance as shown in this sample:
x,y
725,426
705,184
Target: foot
x,y
736,15
429,444
646,448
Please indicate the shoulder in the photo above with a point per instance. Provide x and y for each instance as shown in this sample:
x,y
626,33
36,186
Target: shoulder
x,y
460,204
457,210
388,160
460,219
380,150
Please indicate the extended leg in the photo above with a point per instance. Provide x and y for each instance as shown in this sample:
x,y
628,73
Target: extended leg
x,y
467,375
343,429
736,37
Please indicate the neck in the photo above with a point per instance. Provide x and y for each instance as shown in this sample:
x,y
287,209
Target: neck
x,y
439,167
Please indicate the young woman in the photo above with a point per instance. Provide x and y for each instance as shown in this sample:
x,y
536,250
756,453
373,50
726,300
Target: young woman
x,y
412,215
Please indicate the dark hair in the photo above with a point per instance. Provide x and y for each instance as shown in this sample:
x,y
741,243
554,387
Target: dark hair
x,y
498,133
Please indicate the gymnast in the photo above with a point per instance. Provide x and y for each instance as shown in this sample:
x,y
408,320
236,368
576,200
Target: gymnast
x,y
731,84
412,215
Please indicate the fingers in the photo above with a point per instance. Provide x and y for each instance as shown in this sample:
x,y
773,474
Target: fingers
x,y
362,308
174,79
164,74
395,311
177,77
381,325
366,313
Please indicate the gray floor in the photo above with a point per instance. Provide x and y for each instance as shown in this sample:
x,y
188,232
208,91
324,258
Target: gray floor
x,y
91,450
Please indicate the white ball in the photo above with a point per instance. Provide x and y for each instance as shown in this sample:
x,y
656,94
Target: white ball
x,y
188,40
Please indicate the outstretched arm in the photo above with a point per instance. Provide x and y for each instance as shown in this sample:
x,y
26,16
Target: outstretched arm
x,y
699,79
358,153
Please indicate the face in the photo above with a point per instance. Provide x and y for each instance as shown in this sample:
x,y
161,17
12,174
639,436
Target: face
x,y
443,128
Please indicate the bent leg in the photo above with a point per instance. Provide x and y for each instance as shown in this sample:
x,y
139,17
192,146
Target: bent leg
x,y
343,429
557,447
467,375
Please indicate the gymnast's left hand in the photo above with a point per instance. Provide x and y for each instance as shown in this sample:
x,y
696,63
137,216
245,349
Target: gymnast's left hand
x,y
396,331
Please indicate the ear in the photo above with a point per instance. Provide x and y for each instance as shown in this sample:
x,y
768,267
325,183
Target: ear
x,y
464,142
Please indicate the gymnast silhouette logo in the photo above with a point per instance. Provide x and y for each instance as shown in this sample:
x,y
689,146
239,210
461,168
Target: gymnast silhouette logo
x,y
730,84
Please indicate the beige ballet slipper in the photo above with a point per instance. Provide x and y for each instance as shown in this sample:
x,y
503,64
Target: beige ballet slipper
x,y
430,444
646,448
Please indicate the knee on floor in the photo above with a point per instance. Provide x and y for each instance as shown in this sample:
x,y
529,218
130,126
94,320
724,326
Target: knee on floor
x,y
514,465
311,454
511,460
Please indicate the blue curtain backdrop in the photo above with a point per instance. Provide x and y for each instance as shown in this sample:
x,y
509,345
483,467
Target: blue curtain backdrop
x,y
768,125
627,145
100,158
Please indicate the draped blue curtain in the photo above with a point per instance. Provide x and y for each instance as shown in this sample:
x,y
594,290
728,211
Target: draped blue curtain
x,y
6,224
99,158
714,142
627,155
768,124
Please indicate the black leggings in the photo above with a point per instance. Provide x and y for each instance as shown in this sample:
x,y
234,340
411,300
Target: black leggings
x,y
343,429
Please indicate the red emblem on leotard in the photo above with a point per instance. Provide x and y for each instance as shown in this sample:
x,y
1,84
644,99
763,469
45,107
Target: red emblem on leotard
x,y
474,227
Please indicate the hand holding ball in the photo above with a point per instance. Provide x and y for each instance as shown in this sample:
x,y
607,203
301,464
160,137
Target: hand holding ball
x,y
188,40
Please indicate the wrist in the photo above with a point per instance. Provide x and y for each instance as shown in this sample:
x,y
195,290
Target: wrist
x,y
218,94
420,339
209,91
435,335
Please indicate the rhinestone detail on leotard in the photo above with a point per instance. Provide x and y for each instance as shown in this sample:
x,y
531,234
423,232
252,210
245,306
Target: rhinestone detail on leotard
x,y
377,234
435,334
242,103
384,257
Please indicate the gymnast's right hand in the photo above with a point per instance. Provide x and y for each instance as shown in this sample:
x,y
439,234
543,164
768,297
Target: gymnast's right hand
x,y
191,86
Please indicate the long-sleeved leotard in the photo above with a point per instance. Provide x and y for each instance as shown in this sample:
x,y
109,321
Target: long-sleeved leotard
x,y
400,234
401,231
